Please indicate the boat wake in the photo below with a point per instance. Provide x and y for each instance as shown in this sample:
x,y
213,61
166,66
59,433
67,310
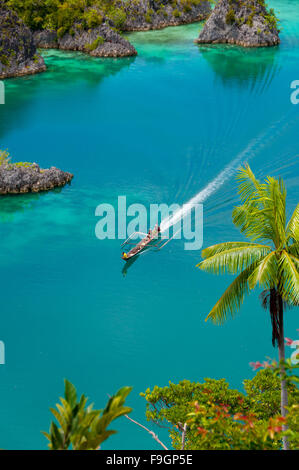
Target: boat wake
x,y
255,146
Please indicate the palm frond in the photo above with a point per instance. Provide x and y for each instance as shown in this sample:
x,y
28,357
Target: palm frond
x,y
249,185
294,249
292,230
276,205
265,274
232,299
219,248
253,222
289,278
234,260
262,213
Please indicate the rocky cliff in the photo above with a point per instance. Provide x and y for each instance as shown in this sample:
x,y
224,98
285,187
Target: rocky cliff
x,y
247,23
101,41
18,55
143,15
25,177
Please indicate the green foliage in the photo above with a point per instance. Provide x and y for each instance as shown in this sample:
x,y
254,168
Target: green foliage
x,y
4,60
5,160
271,19
230,17
263,393
187,5
65,15
217,429
36,13
149,16
219,417
176,13
293,426
118,16
93,18
80,427
91,47
249,21
4,157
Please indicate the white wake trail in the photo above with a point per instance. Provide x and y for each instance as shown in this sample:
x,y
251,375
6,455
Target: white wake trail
x,y
253,147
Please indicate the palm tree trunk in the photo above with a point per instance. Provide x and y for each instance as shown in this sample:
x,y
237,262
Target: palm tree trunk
x,y
281,354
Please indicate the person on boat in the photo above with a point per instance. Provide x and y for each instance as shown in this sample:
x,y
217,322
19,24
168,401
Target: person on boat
x,y
149,233
124,255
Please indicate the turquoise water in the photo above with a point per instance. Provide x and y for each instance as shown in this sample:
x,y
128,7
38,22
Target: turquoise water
x,y
156,128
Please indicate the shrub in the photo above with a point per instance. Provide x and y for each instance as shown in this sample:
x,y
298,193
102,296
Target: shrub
x,y
80,427
176,13
4,60
118,16
91,47
218,417
93,18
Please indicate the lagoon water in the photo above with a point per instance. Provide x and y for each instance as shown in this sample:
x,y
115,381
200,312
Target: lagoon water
x,y
156,128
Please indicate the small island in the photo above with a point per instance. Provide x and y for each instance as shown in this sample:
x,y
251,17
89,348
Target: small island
x,y
24,177
100,41
245,23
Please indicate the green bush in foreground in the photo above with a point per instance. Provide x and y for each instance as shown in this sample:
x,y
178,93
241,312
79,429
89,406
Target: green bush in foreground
x,y
80,426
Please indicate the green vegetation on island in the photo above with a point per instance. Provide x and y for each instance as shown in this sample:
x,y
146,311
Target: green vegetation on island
x,y
61,15
269,260
25,177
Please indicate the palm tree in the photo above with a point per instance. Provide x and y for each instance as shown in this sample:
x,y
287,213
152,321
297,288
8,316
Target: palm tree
x,y
270,259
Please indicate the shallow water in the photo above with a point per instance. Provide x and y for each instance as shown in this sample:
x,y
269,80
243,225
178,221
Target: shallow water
x,y
156,128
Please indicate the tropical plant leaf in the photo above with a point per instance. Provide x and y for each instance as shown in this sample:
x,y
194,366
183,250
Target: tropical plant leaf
x,y
292,230
265,274
234,260
232,299
70,393
81,426
215,249
289,285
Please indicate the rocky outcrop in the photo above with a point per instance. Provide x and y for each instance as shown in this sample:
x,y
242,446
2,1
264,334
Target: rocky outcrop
x,y
24,178
247,23
18,54
101,41
143,15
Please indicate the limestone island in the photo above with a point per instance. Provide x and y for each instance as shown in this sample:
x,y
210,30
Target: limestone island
x,y
247,23
101,41
23,177
143,15
18,55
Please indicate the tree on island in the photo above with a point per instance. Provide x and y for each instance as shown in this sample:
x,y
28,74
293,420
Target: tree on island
x,y
272,266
